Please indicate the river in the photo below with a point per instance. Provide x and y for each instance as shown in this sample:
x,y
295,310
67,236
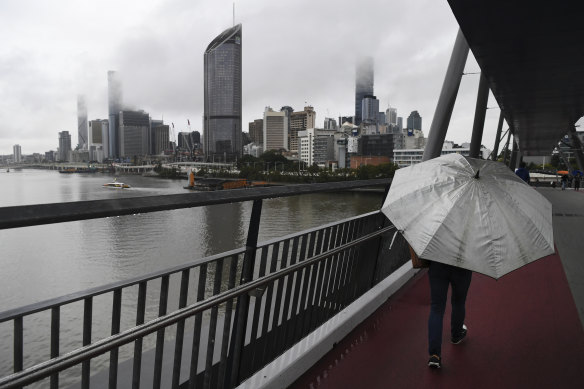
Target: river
x,y
42,262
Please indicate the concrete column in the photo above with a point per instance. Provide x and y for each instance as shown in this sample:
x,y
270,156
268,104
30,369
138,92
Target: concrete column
x,y
479,119
441,119
498,137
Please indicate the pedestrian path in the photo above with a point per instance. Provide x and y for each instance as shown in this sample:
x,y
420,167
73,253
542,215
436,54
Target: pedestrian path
x,y
524,332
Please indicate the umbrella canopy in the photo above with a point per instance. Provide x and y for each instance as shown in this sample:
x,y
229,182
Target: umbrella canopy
x,y
471,213
562,172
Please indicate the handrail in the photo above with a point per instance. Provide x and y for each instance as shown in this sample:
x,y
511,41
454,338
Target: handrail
x,y
75,357
39,214
11,314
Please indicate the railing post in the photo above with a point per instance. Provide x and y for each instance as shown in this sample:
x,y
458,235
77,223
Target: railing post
x,y
241,312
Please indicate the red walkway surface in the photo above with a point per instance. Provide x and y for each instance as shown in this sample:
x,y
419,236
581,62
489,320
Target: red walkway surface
x,y
524,332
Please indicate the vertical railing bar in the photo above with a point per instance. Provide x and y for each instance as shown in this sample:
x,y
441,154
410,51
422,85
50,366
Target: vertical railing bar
x,y
234,368
268,313
270,287
349,293
18,344
258,299
116,319
321,294
348,254
159,353
87,325
278,316
306,253
316,270
314,311
213,325
227,323
257,307
301,279
197,329
288,313
140,314
340,264
55,330
330,278
180,328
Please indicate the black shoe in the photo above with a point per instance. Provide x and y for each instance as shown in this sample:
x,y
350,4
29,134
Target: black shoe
x,y
435,362
460,337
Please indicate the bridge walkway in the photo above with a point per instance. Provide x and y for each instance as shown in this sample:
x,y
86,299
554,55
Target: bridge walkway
x,y
524,329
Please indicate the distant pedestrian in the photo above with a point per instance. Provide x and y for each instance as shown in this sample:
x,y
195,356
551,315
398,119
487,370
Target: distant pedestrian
x,y
554,184
441,276
577,182
523,173
564,181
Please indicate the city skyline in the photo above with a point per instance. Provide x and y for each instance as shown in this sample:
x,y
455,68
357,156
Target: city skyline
x,y
161,64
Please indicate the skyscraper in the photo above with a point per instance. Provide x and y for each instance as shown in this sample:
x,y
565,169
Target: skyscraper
x,y
369,109
82,139
414,121
276,126
134,133
114,94
64,146
222,83
17,153
391,116
300,121
363,85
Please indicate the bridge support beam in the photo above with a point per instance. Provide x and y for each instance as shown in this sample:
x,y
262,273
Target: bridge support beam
x,y
498,137
447,98
479,119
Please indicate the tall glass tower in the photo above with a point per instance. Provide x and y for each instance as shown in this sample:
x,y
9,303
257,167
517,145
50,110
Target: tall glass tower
x,y
222,116
114,94
363,86
82,139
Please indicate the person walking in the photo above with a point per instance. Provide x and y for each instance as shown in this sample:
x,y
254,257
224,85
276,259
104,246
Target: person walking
x,y
441,277
564,181
523,173
577,182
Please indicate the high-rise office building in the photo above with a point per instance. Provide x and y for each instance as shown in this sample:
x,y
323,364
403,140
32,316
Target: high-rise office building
x,y
256,131
222,92
134,133
160,138
414,121
17,153
64,146
97,136
363,85
330,124
114,94
82,139
300,121
400,123
369,109
391,116
276,126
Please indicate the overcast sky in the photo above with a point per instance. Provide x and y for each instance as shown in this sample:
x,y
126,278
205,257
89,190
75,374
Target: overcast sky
x,y
293,52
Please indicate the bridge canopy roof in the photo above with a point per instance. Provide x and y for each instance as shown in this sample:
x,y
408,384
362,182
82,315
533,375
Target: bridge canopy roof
x,y
532,55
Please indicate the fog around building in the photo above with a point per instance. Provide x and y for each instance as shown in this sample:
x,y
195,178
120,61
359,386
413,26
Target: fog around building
x,y
294,54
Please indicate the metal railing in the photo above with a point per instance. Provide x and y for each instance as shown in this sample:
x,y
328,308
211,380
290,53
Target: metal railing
x,y
235,312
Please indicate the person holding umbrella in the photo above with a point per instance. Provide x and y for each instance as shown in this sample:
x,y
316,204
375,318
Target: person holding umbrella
x,y
466,215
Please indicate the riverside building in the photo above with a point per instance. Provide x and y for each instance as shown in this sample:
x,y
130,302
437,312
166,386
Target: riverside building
x,y
222,97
